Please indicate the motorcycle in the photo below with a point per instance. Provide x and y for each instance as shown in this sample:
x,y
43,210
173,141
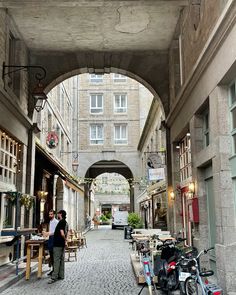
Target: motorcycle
x,y
168,276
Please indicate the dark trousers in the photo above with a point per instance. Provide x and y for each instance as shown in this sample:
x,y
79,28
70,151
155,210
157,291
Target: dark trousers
x,y
51,258
59,263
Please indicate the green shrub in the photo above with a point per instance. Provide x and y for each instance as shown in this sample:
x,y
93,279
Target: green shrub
x,y
134,220
103,218
108,215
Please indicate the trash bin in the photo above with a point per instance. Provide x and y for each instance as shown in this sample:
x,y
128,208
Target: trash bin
x,y
127,232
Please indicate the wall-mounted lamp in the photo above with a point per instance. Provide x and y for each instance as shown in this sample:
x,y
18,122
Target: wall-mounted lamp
x,y
191,187
42,195
172,195
75,159
38,94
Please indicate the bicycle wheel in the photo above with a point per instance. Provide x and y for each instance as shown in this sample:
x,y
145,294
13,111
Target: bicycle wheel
x,y
192,287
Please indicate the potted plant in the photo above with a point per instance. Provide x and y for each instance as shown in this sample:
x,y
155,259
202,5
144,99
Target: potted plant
x,y
134,220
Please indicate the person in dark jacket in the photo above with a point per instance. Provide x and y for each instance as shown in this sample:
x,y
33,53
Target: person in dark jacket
x,y
59,242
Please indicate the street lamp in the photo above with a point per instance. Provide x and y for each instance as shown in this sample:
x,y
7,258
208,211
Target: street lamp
x,y
75,161
38,94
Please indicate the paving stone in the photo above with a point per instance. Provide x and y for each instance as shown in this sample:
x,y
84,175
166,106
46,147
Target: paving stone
x,y
102,268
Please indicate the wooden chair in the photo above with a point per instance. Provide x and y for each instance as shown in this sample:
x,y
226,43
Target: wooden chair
x,y
71,248
82,242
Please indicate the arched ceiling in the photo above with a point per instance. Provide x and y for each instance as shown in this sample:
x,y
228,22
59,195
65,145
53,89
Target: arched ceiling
x,y
132,35
110,167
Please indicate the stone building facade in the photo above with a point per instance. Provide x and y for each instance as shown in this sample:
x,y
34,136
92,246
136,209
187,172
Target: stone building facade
x,y
201,128
152,148
58,118
109,122
15,126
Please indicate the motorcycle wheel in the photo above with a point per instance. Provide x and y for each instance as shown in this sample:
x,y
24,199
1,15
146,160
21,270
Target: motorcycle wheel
x,y
162,280
173,281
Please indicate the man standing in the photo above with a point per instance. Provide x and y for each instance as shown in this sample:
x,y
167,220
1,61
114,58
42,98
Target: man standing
x,y
59,241
52,225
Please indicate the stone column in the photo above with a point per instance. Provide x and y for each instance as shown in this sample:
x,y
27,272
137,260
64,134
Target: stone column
x,y
223,190
174,222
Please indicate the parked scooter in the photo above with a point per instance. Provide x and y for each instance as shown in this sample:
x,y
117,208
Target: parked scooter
x,y
168,276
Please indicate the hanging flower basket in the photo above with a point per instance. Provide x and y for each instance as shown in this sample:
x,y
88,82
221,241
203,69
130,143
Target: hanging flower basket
x,y
11,196
27,201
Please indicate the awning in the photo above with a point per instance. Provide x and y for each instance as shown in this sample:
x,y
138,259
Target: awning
x,y
62,172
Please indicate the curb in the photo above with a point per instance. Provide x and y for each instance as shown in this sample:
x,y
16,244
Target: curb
x,y
15,279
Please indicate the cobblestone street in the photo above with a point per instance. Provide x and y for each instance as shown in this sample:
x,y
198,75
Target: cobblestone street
x,y
103,268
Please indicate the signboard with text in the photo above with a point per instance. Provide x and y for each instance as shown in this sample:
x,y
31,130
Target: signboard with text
x,y
156,174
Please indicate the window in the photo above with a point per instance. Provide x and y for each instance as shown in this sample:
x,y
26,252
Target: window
x,y
14,77
96,78
232,101
206,128
96,134
104,180
9,163
49,121
120,103
185,159
8,213
119,78
96,103
120,136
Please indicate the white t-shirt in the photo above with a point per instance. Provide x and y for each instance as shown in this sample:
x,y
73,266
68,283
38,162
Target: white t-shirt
x,y
52,225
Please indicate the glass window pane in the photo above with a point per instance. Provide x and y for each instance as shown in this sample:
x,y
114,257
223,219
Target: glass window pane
x,y
123,131
207,141
232,93
99,104
234,143
233,112
99,131
93,132
93,101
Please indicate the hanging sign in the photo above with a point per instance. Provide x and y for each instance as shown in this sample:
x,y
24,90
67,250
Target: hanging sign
x,y
154,160
52,140
156,174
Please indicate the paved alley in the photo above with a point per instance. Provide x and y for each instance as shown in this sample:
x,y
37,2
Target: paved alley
x,y
103,268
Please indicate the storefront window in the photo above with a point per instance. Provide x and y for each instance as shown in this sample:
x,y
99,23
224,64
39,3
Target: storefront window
x,y
160,211
8,158
8,213
185,159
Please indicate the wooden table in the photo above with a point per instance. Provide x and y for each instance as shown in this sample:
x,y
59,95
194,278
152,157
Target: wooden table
x,y
29,245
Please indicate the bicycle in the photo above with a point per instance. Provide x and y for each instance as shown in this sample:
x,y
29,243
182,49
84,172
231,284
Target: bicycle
x,y
147,271
194,284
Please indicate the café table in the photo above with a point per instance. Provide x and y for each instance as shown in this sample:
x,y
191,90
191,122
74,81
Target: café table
x,y
29,245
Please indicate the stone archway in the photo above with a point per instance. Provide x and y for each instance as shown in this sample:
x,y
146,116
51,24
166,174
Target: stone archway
x,y
111,166
152,72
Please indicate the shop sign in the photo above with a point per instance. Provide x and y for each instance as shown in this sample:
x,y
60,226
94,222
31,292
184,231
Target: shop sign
x,y
52,140
156,174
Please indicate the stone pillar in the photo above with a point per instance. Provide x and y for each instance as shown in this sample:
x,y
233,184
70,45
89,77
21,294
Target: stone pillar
x,y
200,239
223,190
30,164
174,222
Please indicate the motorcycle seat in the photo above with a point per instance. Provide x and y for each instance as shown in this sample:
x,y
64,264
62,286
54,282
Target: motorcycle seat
x,y
172,258
206,273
